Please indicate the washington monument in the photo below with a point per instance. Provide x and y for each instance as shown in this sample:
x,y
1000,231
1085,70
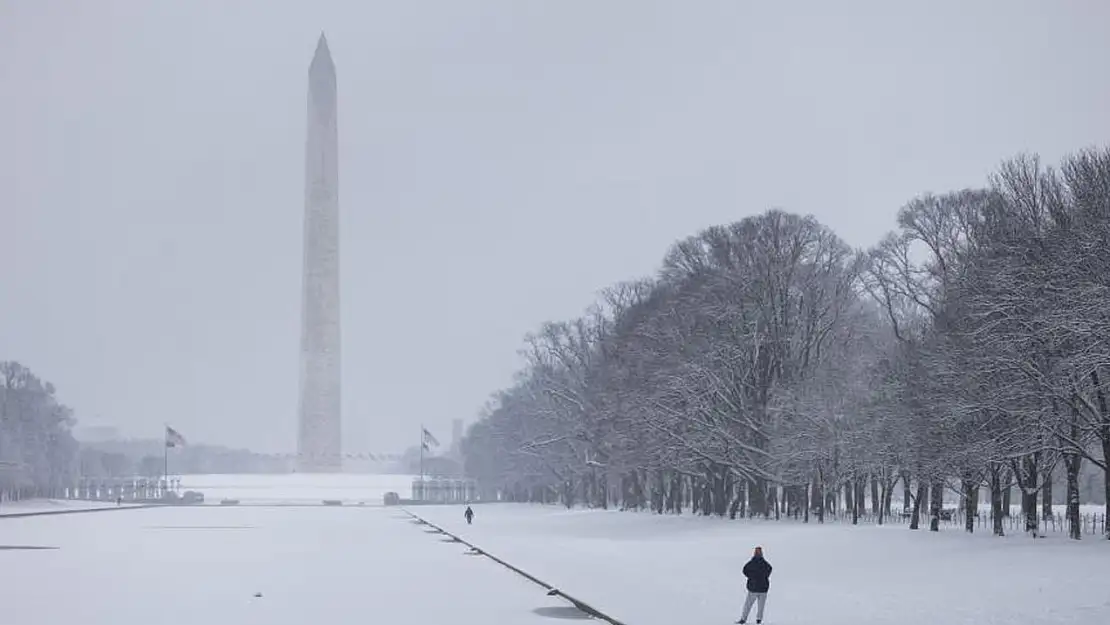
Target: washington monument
x,y
319,444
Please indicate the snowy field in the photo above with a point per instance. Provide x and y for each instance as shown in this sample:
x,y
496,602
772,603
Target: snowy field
x,y
359,564
50,505
662,570
191,566
298,488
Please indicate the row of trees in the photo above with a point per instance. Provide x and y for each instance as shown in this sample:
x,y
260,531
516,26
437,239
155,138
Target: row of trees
x,y
39,456
770,368
37,449
144,458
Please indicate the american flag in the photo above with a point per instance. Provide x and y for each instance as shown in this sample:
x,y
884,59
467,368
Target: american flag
x,y
428,439
174,438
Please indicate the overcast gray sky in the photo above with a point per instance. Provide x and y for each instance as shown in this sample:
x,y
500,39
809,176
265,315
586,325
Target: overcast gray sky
x,y
500,162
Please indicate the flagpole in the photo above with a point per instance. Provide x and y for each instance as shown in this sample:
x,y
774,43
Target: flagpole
x,y
422,455
166,462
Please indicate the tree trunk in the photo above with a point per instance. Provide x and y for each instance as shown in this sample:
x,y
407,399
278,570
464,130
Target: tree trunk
x,y
935,503
807,501
997,513
737,494
915,515
658,492
1027,482
851,495
1104,434
849,499
675,496
880,511
1072,463
722,484
742,511
819,497
1106,483
907,496
971,503
1007,497
757,502
803,500
876,500
1046,494
861,495
888,494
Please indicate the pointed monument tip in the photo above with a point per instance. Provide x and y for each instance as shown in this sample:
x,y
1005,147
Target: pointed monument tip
x,y
323,54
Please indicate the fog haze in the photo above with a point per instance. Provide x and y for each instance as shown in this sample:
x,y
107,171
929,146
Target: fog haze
x,y
500,162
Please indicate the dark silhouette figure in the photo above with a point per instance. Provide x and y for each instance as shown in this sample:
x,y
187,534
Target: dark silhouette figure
x,y
469,514
758,572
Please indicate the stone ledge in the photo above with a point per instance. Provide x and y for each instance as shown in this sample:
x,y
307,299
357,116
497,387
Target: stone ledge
x,y
19,515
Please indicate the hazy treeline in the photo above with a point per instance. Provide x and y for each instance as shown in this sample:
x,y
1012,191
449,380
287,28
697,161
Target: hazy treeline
x,y
37,449
39,456
145,458
770,369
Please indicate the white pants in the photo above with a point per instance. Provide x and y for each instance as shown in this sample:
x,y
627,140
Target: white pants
x,y
752,598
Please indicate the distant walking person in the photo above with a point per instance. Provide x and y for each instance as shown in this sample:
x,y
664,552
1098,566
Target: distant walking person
x,y
469,514
758,572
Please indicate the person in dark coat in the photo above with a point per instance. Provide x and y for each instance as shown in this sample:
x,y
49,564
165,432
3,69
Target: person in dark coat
x,y
469,514
758,572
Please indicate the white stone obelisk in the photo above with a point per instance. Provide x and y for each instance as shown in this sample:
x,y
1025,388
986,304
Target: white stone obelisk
x,y
319,442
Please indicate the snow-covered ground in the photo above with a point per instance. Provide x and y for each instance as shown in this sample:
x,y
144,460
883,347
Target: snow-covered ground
x,y
291,489
50,505
369,563
661,570
329,565
298,488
